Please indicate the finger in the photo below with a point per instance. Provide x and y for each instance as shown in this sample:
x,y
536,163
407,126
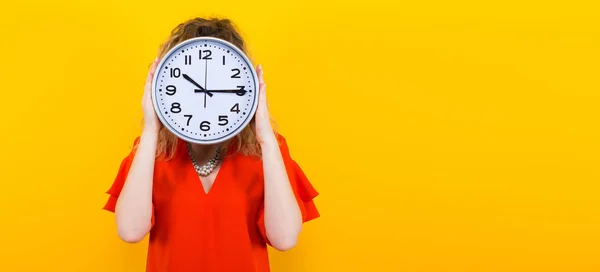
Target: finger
x,y
151,73
261,81
260,72
263,92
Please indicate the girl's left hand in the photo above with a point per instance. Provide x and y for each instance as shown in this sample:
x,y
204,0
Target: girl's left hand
x,y
262,119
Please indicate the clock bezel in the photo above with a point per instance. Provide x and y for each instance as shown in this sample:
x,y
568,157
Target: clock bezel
x,y
237,129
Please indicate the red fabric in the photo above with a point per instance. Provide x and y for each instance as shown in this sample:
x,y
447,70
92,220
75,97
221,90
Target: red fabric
x,y
222,230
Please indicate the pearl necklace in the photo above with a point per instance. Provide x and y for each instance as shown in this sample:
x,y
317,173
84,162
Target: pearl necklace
x,y
208,167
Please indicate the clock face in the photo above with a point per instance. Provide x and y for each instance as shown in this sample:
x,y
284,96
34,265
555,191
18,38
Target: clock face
x,y
205,90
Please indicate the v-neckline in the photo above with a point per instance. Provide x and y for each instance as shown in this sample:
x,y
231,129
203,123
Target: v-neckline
x,y
191,167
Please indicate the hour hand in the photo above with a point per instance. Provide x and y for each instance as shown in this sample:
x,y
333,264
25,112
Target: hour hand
x,y
188,78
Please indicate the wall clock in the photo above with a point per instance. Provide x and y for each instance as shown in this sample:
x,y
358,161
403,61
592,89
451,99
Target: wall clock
x,y
205,90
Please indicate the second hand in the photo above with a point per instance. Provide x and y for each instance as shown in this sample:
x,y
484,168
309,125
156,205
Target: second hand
x,y
205,80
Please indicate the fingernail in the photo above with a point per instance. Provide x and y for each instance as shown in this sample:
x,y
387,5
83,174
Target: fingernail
x,y
260,67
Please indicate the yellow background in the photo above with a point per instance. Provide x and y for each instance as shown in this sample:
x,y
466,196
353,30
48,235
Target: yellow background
x,y
442,135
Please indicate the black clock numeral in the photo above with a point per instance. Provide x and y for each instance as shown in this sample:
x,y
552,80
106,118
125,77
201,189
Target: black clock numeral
x,y
223,119
237,73
205,126
242,91
207,54
189,117
175,107
223,60
171,90
188,59
236,108
175,72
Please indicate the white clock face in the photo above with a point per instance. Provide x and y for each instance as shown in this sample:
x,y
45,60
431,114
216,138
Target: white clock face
x,y
205,90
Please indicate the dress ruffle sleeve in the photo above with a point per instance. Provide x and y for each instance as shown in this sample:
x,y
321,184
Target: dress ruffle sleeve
x,y
115,189
303,189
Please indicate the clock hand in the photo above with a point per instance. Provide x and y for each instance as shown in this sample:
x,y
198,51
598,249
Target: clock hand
x,y
239,92
188,78
203,91
205,83
209,92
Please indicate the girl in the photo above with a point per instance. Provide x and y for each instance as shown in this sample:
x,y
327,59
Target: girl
x,y
254,193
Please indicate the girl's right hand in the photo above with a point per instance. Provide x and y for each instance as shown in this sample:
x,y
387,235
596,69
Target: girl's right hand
x,y
151,122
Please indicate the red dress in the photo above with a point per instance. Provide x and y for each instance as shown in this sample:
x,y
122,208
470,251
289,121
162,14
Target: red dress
x,y
222,230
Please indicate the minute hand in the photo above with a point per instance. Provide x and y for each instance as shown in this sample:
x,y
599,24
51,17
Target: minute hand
x,y
239,92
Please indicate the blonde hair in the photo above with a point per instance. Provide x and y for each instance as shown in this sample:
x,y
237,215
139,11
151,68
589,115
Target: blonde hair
x,y
245,141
